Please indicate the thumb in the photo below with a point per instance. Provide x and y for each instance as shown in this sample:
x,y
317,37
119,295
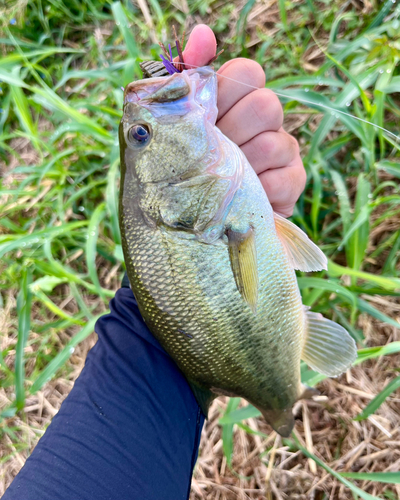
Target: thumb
x,y
200,48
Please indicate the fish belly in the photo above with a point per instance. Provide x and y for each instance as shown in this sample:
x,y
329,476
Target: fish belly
x,y
188,297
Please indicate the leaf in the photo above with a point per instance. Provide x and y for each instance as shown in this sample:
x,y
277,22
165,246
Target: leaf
x,y
236,416
376,352
227,431
54,308
379,18
24,304
344,201
125,29
59,361
358,233
241,23
46,283
112,200
39,236
381,477
91,243
392,86
336,270
22,110
372,311
12,78
391,167
379,399
283,14
329,286
350,485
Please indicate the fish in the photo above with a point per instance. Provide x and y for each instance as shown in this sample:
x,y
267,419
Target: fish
x,y
211,266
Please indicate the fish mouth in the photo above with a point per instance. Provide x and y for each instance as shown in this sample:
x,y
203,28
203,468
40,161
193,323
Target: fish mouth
x,y
158,90
170,97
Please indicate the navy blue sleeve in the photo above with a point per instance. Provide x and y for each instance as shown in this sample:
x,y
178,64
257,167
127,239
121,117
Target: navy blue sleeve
x,y
129,429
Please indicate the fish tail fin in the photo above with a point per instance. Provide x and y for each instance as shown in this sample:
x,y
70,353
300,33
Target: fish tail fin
x,y
282,421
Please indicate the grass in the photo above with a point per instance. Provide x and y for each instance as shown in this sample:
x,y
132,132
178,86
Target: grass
x,y
62,67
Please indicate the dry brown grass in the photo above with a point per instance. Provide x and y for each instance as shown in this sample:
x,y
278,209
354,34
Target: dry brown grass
x,y
262,467
324,426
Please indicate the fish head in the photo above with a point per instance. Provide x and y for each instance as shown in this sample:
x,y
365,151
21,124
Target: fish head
x,y
166,124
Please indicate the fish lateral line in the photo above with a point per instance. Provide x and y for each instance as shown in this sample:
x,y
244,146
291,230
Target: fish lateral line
x,y
299,99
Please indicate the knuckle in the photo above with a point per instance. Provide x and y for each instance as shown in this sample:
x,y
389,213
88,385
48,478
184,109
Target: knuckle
x,y
266,146
254,72
296,184
268,108
301,178
295,145
287,210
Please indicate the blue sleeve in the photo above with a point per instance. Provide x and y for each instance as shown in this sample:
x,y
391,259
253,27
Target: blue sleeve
x,y
129,429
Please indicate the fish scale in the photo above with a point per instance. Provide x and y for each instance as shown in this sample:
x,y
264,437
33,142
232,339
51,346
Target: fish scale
x,y
211,266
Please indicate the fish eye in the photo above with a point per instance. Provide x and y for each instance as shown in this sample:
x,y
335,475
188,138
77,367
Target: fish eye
x,y
139,134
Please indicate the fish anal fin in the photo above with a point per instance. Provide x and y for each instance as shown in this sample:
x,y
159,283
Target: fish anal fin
x,y
328,348
303,254
243,257
282,421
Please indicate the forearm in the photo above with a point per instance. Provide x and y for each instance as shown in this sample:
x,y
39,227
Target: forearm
x,y
129,428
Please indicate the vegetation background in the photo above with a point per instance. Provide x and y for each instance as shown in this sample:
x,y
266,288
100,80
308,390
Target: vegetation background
x,y
62,66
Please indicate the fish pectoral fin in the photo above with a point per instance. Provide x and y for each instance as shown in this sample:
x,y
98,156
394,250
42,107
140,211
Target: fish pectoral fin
x,y
328,347
243,256
304,255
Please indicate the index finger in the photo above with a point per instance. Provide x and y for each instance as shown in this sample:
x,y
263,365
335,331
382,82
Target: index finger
x,y
237,78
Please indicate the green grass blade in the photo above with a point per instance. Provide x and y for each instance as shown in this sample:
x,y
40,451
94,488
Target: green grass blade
x,y
125,29
381,477
60,359
283,15
335,270
227,431
368,308
379,400
235,416
23,111
391,167
55,309
376,352
24,304
379,18
91,246
39,236
329,286
344,200
316,198
359,231
112,201
362,494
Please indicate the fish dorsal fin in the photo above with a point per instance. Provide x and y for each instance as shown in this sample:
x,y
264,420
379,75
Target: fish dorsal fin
x,y
304,255
242,252
327,348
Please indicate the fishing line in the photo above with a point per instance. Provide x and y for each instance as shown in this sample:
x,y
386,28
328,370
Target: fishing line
x,y
299,99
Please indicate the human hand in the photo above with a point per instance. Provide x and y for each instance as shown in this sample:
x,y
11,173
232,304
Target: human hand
x,y
253,120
